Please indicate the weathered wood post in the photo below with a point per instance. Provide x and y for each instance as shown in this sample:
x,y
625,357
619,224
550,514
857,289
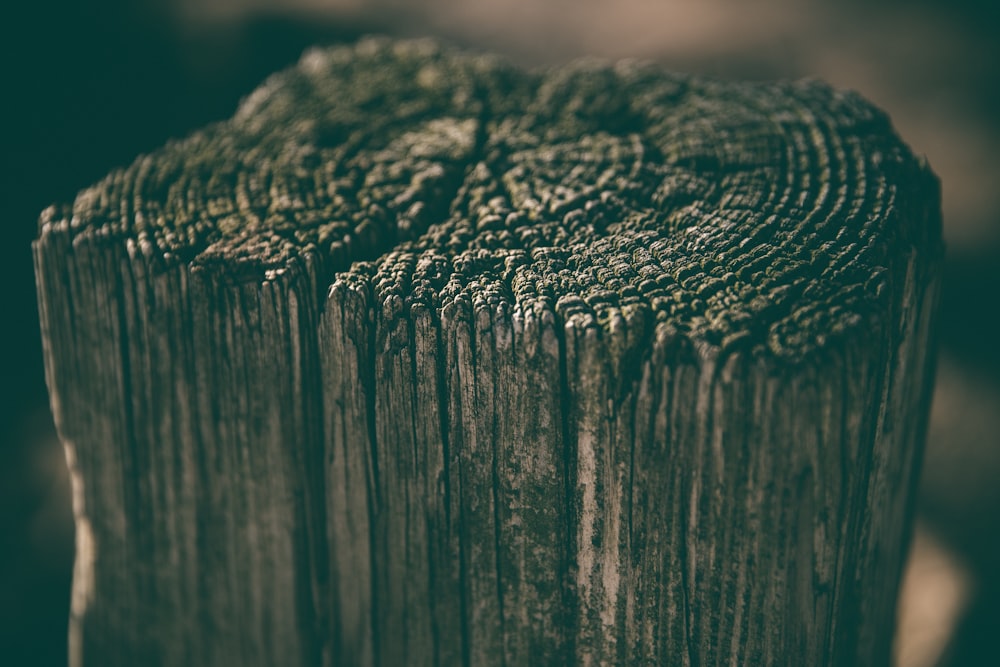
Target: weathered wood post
x,y
422,359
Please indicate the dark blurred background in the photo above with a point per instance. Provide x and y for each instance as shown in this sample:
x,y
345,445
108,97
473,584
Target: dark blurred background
x,y
88,86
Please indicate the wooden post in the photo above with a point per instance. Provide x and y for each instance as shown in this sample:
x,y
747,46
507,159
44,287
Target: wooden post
x,y
422,359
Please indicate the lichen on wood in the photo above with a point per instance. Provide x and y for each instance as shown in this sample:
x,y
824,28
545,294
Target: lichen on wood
x,y
424,358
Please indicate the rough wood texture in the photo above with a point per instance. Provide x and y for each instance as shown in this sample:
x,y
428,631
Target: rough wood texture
x,y
421,359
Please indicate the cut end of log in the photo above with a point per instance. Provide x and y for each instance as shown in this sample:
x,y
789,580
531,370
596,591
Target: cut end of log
x,y
729,214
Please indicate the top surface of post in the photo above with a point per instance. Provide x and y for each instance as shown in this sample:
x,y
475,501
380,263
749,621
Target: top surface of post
x,y
608,194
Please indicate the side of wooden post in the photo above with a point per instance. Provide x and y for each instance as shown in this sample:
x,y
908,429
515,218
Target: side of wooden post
x,y
176,398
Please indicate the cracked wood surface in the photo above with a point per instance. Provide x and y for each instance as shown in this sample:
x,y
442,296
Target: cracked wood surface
x,y
425,359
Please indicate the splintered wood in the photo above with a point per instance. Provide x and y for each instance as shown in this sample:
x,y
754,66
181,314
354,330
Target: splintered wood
x,y
423,359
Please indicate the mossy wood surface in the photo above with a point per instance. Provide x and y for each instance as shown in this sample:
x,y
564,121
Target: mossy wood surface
x,y
423,359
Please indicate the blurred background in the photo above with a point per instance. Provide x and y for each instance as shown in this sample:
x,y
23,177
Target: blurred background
x,y
88,86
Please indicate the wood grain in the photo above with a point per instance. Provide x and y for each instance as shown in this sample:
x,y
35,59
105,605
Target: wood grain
x,y
425,359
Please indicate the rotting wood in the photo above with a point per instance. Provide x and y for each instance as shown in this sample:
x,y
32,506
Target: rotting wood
x,y
423,359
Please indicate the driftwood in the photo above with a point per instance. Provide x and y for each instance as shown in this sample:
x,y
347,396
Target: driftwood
x,y
423,359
